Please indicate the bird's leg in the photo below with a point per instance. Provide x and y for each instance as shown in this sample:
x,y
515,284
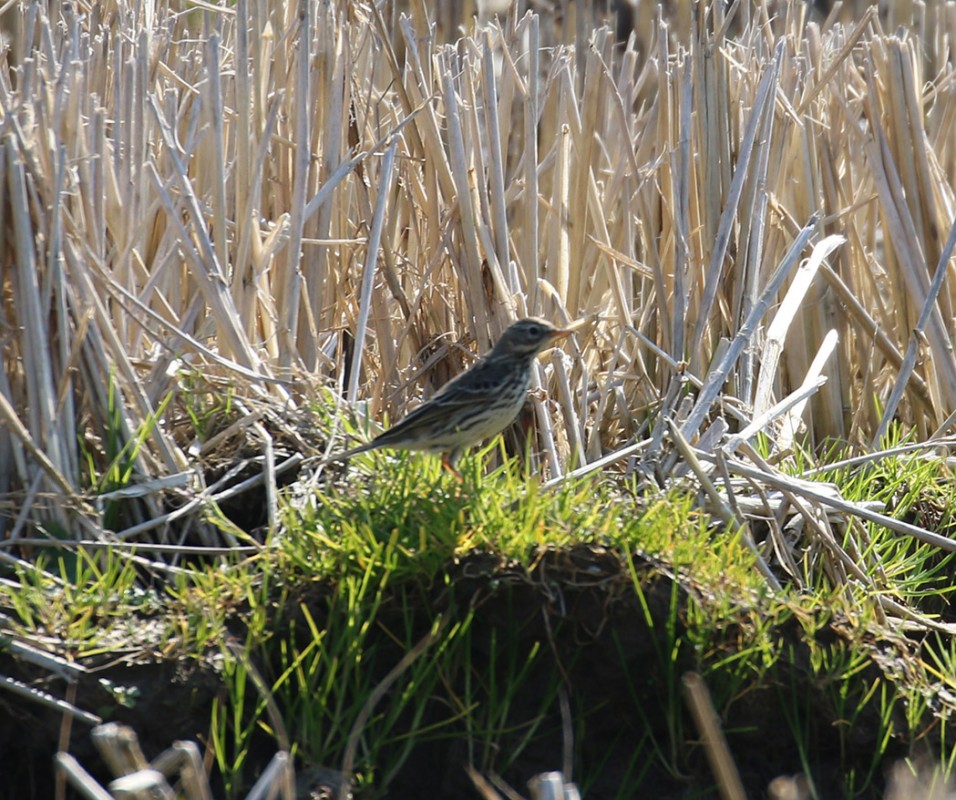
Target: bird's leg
x,y
448,461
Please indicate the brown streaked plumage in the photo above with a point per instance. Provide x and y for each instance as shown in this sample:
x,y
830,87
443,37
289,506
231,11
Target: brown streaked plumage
x,y
475,405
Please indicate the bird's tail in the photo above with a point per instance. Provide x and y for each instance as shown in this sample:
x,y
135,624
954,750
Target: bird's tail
x,y
345,455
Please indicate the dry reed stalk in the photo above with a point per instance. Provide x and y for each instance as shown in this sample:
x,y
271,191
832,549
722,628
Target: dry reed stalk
x,y
306,179
777,330
699,701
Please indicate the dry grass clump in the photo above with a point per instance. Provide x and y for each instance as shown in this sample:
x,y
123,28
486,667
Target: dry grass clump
x,y
281,197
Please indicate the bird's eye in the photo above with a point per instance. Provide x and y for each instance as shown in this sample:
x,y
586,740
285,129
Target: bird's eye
x,y
534,330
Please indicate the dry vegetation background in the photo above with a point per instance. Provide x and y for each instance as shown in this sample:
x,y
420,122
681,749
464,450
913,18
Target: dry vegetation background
x,y
282,199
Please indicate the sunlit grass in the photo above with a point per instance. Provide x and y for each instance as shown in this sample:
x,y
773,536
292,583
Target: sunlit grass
x,y
91,604
361,574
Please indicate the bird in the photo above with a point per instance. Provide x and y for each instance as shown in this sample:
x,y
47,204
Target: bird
x,y
475,405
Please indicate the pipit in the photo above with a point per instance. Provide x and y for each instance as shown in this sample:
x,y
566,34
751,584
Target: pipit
x,y
475,405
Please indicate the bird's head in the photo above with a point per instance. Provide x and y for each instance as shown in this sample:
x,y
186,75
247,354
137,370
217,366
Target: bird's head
x,y
528,337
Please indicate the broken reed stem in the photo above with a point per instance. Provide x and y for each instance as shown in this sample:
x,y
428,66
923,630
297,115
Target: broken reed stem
x,y
705,717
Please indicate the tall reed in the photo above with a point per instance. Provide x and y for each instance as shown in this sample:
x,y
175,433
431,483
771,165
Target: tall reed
x,y
286,196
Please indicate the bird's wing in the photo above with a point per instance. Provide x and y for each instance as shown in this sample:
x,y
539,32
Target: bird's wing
x,y
475,385
481,381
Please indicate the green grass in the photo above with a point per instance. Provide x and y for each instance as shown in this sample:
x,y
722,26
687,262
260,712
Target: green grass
x,y
485,582
90,604
400,523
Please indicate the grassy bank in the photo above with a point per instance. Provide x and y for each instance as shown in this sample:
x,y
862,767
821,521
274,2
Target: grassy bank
x,y
240,238
402,628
